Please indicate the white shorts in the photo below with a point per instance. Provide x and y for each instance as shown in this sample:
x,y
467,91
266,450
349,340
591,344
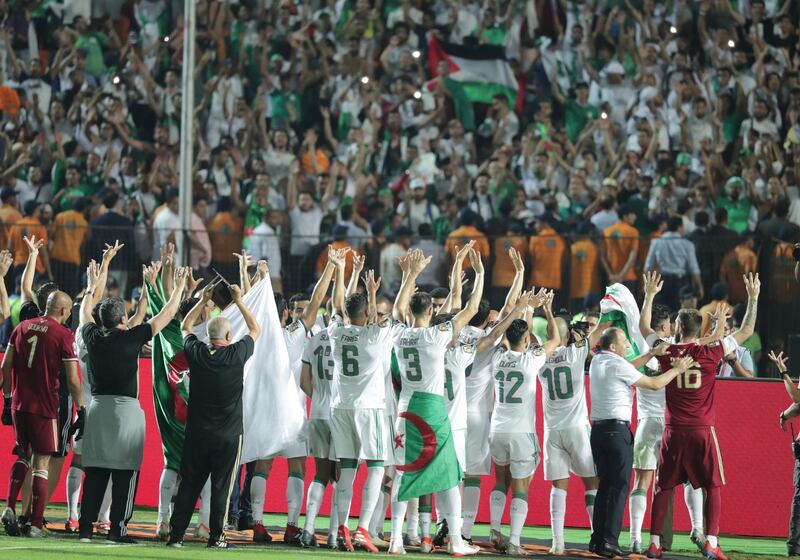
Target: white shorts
x,y
388,440
460,443
568,450
477,455
359,434
647,443
320,444
521,451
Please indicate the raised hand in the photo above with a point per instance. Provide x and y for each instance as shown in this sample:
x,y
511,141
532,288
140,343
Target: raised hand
x,y
404,261
208,291
6,260
652,283
538,299
33,244
753,285
523,302
358,263
373,285
516,259
418,262
245,260
475,261
779,360
111,250
191,283
236,293
337,256
181,276
263,268
461,253
167,253
92,275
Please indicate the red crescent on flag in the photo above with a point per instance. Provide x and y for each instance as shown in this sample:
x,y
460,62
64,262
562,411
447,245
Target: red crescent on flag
x,y
175,368
429,443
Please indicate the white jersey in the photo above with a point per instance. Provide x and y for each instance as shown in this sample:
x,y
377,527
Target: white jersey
x,y
563,393
514,376
358,356
457,365
317,354
479,381
652,404
295,336
82,352
420,355
390,410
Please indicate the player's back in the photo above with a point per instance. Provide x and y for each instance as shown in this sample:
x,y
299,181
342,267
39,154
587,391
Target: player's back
x,y
478,380
690,396
358,355
515,376
563,393
41,346
420,354
458,362
317,354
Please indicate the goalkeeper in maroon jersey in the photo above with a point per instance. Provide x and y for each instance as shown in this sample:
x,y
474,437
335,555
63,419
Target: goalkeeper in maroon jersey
x,y
689,449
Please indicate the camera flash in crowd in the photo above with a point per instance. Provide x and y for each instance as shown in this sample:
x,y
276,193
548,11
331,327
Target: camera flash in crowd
x,y
166,39
364,80
731,44
604,115
673,29
415,54
417,94
115,80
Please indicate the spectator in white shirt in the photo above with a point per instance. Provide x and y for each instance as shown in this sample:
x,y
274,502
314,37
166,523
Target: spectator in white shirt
x,y
416,209
265,245
607,216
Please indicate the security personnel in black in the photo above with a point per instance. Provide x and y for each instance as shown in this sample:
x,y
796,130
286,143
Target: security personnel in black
x,y
214,426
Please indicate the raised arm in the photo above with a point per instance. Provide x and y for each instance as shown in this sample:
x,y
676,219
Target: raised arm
x,y
358,266
108,254
88,302
187,325
753,286
500,328
652,285
167,262
655,351
26,285
452,304
167,313
253,329
415,264
337,258
679,365
464,316
373,286
552,327
244,263
780,361
720,316
141,305
309,316
6,260
516,285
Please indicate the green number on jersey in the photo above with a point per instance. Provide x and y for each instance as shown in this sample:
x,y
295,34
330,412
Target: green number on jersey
x,y
468,371
508,397
554,388
322,371
411,355
448,384
349,361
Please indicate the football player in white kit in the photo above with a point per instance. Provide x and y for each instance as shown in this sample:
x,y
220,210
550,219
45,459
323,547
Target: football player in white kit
x,y
512,437
420,351
479,387
357,415
295,335
567,447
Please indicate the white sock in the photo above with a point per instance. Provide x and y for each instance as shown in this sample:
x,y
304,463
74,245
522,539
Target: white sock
x,y
379,515
333,520
294,497
497,505
712,540
519,512
558,510
313,500
74,479
258,486
472,496
449,502
694,503
412,518
205,504
589,496
655,539
166,489
344,494
105,505
425,522
638,507
370,494
398,516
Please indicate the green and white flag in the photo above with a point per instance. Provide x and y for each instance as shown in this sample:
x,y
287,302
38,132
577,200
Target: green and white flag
x,y
619,308
424,448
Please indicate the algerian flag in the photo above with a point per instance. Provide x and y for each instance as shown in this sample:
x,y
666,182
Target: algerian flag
x,y
619,308
481,70
170,384
424,449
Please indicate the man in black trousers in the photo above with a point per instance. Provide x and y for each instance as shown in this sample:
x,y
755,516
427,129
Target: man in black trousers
x,y
214,426
611,377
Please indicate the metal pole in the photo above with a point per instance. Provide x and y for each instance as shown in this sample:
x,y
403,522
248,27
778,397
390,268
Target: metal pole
x,y
187,132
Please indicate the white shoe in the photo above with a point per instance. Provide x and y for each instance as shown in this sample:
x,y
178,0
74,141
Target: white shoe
x,y
515,550
411,540
202,532
396,547
85,540
557,549
426,546
162,533
499,542
465,549
698,538
36,533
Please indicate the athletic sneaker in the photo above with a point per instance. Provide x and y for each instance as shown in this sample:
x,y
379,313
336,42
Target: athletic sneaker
x,y
464,550
10,523
162,533
362,540
654,551
37,533
442,533
103,527
411,540
396,547
85,540
498,541
308,540
221,543
698,538
343,539
636,547
331,541
175,544
515,550
202,532
558,549
713,552
292,535
71,526
467,540
121,539
426,546
260,534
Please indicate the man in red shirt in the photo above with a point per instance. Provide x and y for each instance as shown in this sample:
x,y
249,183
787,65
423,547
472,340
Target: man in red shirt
x,y
32,364
689,449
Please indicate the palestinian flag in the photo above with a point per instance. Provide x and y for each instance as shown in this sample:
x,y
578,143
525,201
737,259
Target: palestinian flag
x,y
424,449
481,71
619,308
170,382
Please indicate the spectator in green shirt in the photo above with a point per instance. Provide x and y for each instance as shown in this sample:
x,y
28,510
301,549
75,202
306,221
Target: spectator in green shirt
x,y
577,110
738,206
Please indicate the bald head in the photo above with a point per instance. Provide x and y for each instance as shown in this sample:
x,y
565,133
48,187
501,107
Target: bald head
x,y
59,306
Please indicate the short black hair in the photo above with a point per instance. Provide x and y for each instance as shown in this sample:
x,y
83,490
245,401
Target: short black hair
x,y
659,314
701,218
224,204
782,207
355,304
110,200
468,218
425,230
112,310
720,215
441,318
484,308
674,223
43,293
516,331
439,293
420,303
690,320
609,337
280,302
300,296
